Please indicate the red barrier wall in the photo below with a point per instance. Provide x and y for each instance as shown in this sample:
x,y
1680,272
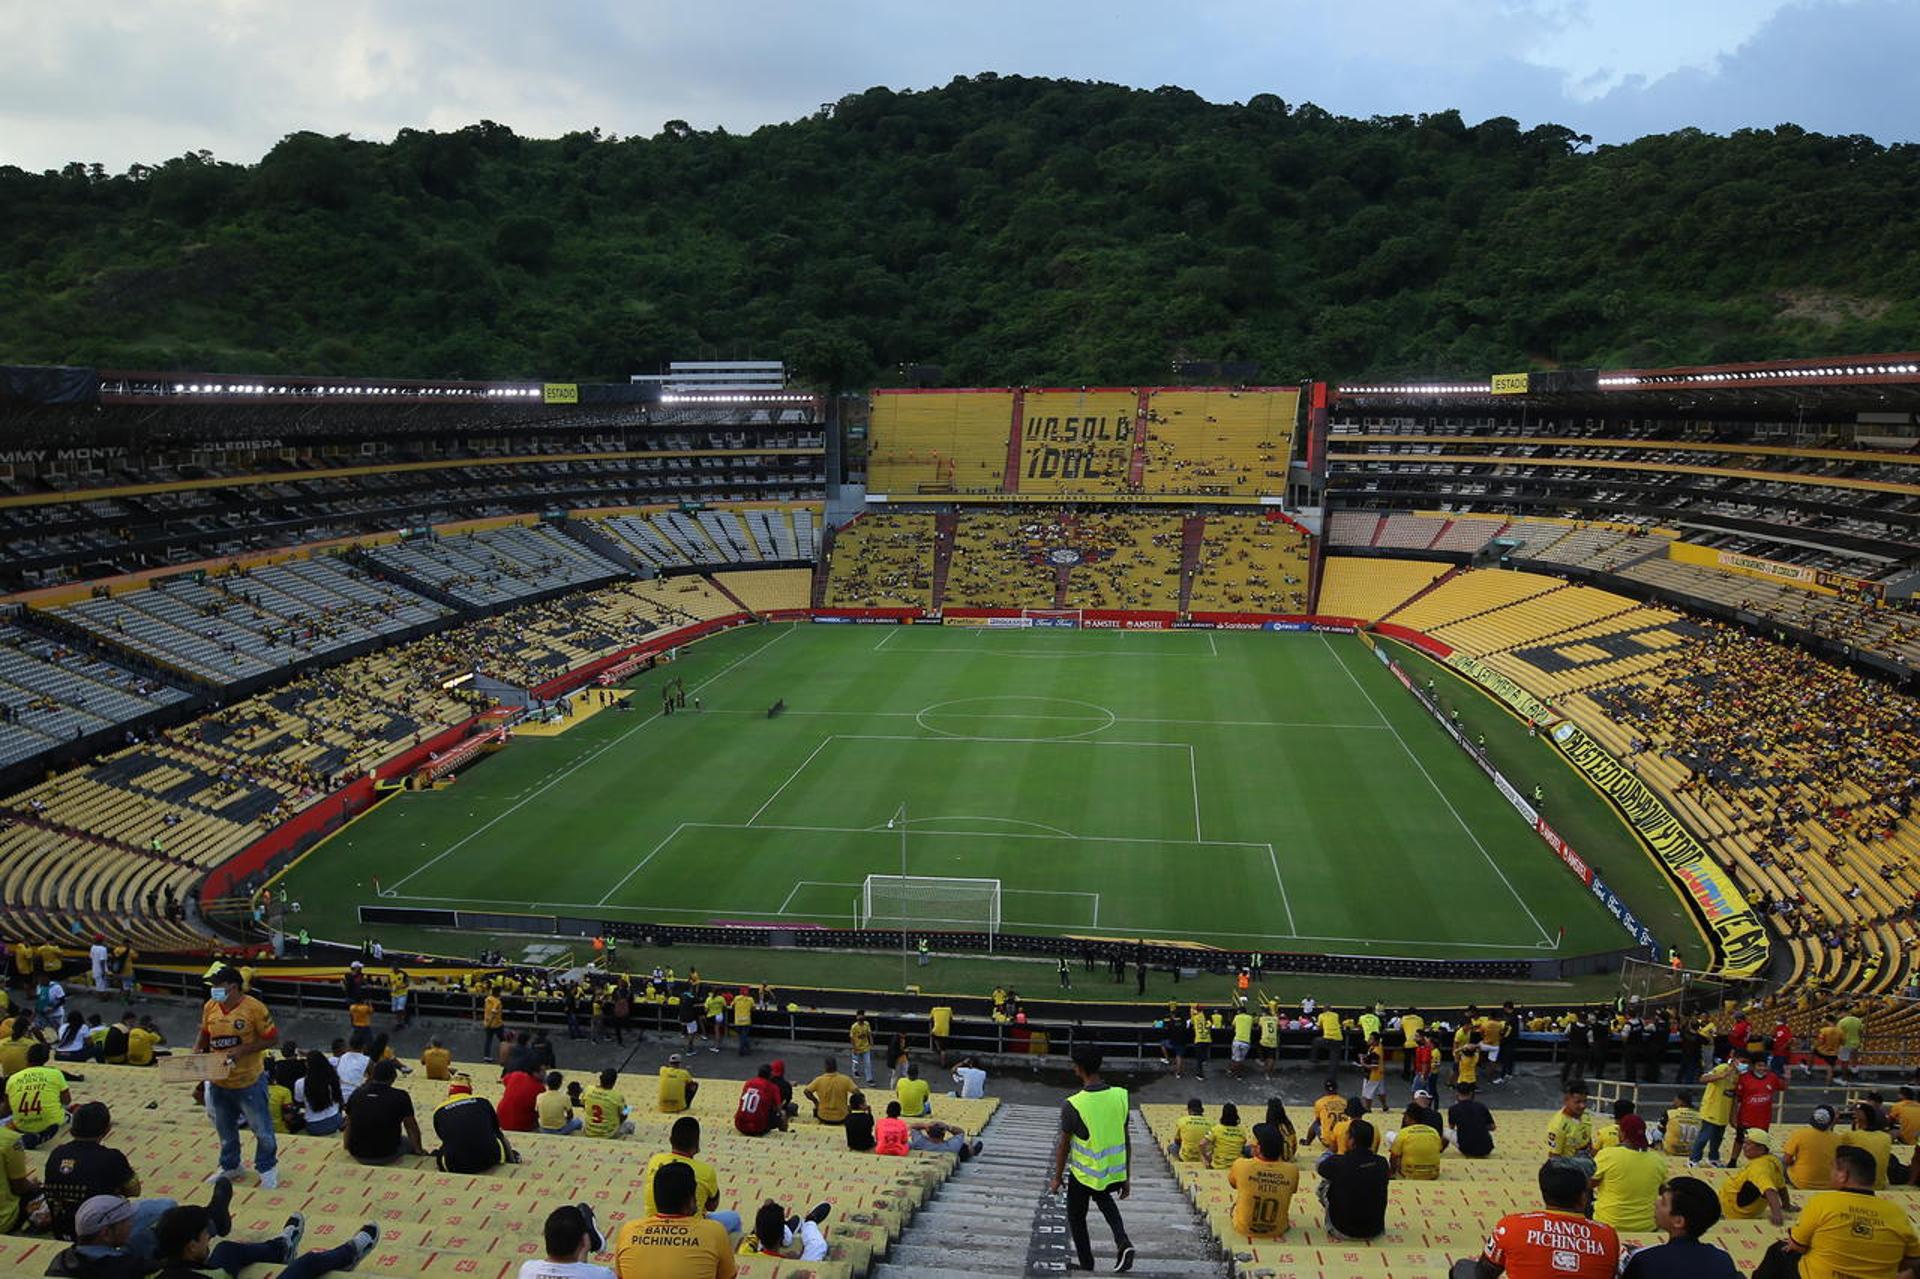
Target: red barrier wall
x,y
1413,638
581,675
316,818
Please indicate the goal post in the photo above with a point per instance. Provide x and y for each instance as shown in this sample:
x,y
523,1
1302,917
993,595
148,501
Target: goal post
x,y
940,902
1063,617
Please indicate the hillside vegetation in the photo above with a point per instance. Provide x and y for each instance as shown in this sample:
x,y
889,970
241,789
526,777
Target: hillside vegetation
x,y
1003,229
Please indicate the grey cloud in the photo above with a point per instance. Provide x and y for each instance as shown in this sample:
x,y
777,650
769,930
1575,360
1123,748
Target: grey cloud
x,y
119,83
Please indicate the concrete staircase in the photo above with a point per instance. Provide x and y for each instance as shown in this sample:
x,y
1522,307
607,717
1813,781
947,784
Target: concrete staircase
x,y
993,1217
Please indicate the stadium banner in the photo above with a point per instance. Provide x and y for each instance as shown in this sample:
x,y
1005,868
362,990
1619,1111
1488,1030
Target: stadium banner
x,y
1754,566
1520,805
1574,861
951,620
560,393
1850,585
867,616
1366,637
1009,623
821,619
1193,626
1058,623
1511,383
1618,909
1736,929
1503,687
1745,565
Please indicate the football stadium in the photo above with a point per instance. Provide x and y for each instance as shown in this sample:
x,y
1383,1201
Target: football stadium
x,y
619,660
1546,724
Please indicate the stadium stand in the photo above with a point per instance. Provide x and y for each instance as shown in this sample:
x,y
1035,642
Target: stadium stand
x,y
494,566
1370,589
883,559
769,590
1128,560
436,1223
1000,558
1251,563
1229,443
938,441
1798,772
1078,441
1470,593
51,693
1429,1222
127,838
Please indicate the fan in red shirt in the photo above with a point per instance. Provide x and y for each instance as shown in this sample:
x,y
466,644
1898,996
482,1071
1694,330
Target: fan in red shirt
x,y
518,1093
1754,1094
1781,1052
1557,1243
760,1107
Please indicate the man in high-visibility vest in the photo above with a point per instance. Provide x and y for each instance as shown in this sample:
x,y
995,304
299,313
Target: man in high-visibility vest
x,y
1091,1158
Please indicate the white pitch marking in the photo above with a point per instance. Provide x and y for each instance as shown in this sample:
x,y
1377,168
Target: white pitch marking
x,y
584,760
1544,935
824,742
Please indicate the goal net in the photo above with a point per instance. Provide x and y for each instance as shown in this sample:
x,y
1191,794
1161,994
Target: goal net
x,y
931,901
1067,617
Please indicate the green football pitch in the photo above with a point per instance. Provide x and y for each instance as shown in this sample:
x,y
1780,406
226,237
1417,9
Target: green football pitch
x,y
1240,789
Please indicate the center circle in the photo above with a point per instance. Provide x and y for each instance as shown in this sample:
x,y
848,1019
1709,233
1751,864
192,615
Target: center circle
x,y
1015,718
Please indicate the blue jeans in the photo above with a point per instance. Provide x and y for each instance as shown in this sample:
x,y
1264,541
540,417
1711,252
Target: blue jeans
x,y
35,1140
567,1129
234,1257
146,1212
323,1127
1707,1141
861,1067
727,1218
227,1106
746,1039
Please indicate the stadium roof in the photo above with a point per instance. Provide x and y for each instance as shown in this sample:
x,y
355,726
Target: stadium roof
x,y
42,384
1863,383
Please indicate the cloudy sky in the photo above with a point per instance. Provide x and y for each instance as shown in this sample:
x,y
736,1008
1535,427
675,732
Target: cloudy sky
x,y
118,81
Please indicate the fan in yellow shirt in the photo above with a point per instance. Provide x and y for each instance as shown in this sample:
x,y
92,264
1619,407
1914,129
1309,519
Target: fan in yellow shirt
x,y
913,1093
1849,1230
605,1109
437,1061
1808,1152
1416,1151
676,1087
1760,1184
1569,1132
1627,1178
140,1042
676,1240
1328,1109
1226,1141
1190,1134
1263,1189
1681,1125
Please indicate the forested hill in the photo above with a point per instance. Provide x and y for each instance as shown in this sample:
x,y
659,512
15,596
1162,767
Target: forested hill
x,y
1007,230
